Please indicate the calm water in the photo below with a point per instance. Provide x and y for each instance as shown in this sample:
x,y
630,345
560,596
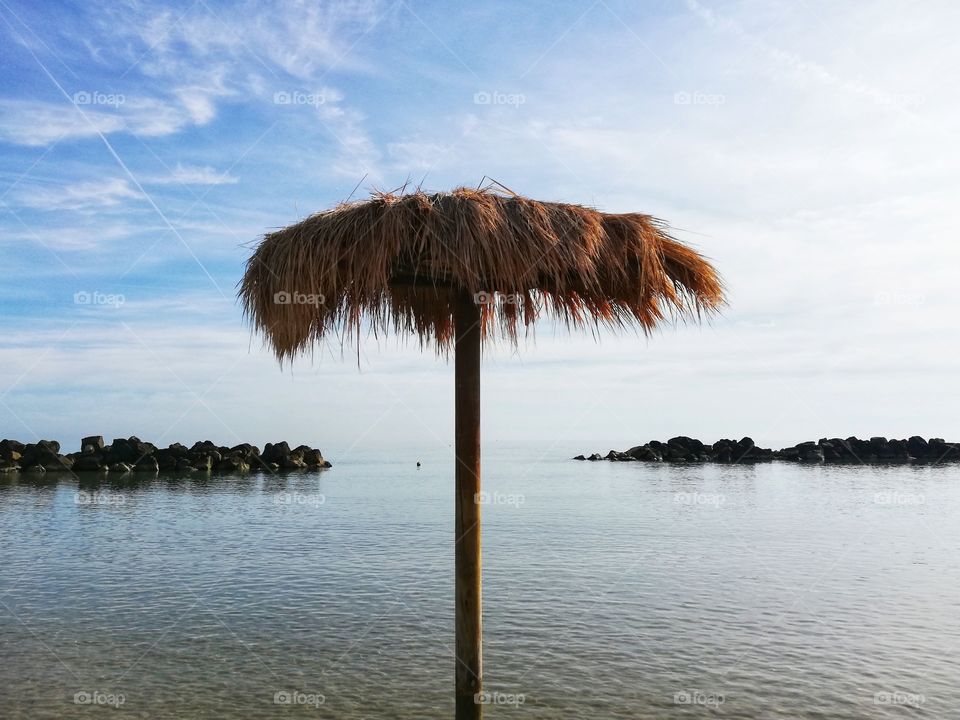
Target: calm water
x,y
610,590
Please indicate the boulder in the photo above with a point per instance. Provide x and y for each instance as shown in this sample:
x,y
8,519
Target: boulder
x,y
276,452
96,441
147,464
177,451
246,450
58,463
644,453
232,464
7,446
52,445
687,444
292,462
90,462
142,449
314,458
165,460
122,451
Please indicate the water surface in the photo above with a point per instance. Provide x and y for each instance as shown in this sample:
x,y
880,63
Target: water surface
x,y
620,590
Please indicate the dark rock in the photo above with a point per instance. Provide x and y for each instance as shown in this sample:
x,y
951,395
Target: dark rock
x,y
275,453
58,463
313,458
11,446
686,443
644,453
147,464
94,440
177,451
122,451
52,445
165,461
579,457
231,464
246,450
89,462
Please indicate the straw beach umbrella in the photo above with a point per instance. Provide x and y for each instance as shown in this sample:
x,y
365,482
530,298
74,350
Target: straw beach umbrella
x,y
456,269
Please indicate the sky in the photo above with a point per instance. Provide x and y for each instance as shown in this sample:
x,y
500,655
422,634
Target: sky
x,y
808,148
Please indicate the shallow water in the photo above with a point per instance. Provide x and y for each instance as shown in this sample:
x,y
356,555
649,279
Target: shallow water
x,y
610,589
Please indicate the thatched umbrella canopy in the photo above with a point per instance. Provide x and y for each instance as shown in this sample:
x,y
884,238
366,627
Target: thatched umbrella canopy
x,y
456,268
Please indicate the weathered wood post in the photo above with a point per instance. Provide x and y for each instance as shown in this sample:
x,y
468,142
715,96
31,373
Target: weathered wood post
x,y
468,617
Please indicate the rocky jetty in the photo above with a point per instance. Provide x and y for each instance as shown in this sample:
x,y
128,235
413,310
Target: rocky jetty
x,y
851,450
685,449
131,454
855,451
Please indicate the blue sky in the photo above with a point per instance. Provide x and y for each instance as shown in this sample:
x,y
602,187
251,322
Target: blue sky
x,y
808,148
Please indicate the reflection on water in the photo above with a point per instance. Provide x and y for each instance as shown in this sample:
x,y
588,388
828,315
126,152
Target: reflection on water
x,y
611,590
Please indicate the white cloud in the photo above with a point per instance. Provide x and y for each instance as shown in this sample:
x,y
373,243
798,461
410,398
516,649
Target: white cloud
x,y
38,123
300,39
80,196
33,123
195,175
71,238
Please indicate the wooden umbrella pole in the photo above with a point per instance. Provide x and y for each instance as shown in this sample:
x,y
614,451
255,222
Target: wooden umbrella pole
x,y
467,526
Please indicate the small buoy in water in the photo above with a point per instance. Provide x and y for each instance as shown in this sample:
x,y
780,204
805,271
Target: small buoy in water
x,y
418,463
